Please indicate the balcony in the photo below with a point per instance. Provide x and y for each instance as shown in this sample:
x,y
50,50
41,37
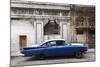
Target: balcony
x,y
85,22
85,25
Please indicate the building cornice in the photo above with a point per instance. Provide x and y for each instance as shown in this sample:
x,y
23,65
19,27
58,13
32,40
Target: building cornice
x,y
39,5
42,17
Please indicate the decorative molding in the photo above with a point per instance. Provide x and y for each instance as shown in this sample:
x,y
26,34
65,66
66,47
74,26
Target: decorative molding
x,y
40,17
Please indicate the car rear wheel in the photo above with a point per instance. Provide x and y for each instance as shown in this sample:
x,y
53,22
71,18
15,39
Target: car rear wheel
x,y
79,55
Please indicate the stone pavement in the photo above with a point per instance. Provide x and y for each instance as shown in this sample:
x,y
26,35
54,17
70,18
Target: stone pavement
x,y
18,61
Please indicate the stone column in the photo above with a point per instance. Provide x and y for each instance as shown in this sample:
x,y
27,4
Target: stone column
x,y
73,29
60,13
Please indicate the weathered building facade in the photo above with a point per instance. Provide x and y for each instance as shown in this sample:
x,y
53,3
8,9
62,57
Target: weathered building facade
x,y
35,22
83,24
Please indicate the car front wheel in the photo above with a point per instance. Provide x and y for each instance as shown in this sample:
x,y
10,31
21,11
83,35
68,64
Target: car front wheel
x,y
41,56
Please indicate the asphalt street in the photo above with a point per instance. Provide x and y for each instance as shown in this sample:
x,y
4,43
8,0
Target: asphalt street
x,y
21,61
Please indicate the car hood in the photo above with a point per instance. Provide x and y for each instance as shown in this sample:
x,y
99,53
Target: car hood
x,y
27,48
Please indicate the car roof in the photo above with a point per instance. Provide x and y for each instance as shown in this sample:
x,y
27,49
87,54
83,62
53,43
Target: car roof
x,y
53,40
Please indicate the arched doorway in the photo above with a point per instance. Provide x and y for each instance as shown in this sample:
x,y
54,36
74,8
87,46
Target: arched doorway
x,y
51,30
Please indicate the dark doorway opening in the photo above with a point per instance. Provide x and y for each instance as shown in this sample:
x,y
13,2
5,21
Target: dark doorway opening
x,y
23,41
51,28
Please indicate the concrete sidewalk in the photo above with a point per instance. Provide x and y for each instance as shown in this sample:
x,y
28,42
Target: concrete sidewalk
x,y
20,61
91,50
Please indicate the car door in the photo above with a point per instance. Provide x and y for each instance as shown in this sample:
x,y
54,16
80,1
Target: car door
x,y
50,48
65,50
62,48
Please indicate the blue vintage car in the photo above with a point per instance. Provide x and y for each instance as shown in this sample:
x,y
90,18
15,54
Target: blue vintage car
x,y
55,47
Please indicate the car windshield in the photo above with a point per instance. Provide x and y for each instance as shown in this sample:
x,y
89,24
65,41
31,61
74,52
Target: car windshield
x,y
54,43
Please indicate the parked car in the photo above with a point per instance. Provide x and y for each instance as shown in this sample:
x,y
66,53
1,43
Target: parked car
x,y
55,47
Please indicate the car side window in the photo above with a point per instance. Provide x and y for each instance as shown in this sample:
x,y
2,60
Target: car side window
x,y
46,44
52,43
60,43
